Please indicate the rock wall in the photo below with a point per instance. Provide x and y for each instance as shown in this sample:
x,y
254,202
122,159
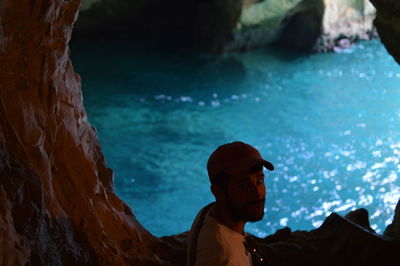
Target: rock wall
x,y
214,22
56,191
220,26
344,22
309,25
388,25
135,19
302,26
338,241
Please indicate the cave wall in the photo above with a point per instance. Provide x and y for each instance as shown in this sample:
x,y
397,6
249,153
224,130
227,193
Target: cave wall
x,y
351,19
308,25
56,191
388,25
220,26
135,20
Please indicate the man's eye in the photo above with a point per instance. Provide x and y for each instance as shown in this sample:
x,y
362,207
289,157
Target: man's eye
x,y
260,181
244,185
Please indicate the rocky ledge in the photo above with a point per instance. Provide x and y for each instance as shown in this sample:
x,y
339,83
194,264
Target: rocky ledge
x,y
220,26
339,240
56,191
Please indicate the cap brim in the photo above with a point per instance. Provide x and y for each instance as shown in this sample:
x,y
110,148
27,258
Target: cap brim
x,y
268,165
246,166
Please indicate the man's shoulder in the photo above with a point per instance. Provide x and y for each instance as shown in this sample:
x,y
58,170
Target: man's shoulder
x,y
211,231
216,237
212,247
218,246
214,244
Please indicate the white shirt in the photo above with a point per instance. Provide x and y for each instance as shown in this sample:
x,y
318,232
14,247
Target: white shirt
x,y
218,245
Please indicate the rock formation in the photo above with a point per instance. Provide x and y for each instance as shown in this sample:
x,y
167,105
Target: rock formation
x,y
220,26
56,191
348,20
307,25
393,229
388,25
338,241
135,19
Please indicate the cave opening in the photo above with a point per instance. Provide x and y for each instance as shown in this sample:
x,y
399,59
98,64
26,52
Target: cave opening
x,y
328,121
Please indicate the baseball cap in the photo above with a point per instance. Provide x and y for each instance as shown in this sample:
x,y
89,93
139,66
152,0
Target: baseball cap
x,y
234,158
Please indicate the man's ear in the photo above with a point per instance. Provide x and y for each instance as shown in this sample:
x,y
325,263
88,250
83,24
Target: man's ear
x,y
218,192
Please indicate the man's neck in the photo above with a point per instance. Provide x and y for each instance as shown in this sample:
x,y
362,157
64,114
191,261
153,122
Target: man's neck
x,y
222,215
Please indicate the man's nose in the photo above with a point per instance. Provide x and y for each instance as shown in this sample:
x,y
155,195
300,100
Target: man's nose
x,y
258,190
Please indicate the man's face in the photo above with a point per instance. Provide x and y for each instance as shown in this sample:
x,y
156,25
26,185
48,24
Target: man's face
x,y
245,196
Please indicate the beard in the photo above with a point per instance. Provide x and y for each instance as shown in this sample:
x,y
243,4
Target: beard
x,y
251,211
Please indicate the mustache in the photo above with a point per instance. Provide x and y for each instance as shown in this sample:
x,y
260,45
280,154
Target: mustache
x,y
255,202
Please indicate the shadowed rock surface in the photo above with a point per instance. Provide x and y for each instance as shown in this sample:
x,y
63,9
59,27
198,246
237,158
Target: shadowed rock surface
x,y
29,233
338,241
56,191
387,23
58,204
220,26
393,229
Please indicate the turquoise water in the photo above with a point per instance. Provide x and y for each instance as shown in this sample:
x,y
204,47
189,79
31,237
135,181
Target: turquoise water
x,y
329,123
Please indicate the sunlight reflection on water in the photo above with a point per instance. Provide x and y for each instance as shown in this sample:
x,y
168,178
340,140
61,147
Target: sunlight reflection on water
x,y
328,122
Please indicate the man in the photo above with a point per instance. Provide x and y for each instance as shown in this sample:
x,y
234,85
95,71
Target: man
x,y
217,236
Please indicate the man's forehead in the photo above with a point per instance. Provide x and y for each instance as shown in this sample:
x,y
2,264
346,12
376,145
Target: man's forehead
x,y
248,175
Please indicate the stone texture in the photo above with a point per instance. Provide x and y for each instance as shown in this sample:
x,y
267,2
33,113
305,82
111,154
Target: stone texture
x,y
28,233
56,191
388,25
345,19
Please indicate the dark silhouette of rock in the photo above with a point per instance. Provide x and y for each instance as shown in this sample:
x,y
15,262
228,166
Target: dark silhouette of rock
x,y
360,217
393,229
214,23
135,19
388,26
220,26
303,29
338,241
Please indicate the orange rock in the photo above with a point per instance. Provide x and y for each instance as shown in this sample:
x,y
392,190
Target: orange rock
x,y
56,191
